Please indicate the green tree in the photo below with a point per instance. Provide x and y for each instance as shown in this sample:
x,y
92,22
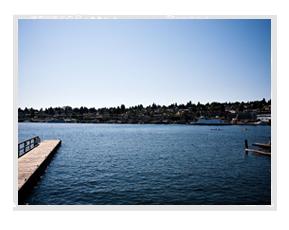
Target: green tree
x,y
32,113
122,108
222,108
194,108
67,109
171,106
263,101
85,110
51,111
241,106
189,104
92,110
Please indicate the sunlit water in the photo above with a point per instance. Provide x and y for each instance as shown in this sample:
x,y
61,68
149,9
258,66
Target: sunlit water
x,y
122,164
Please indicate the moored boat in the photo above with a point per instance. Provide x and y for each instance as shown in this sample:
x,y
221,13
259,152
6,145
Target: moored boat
x,y
263,123
210,121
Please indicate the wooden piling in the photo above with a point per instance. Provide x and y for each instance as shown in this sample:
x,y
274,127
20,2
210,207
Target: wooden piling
x,y
246,143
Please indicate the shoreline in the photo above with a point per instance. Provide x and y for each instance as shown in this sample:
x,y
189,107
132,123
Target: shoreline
x,y
143,123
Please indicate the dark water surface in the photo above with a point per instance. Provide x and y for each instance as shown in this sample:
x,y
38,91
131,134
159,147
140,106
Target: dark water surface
x,y
123,164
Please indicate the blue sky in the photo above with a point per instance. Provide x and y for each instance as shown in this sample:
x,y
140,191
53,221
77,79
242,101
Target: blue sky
x,y
106,63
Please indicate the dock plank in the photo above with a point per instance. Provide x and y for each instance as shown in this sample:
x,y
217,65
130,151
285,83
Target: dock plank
x,y
257,151
262,145
32,164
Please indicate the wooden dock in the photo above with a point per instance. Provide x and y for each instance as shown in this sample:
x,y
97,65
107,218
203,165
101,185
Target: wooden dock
x,y
263,145
32,164
257,151
260,145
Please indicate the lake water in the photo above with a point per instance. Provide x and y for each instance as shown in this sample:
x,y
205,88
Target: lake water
x,y
144,164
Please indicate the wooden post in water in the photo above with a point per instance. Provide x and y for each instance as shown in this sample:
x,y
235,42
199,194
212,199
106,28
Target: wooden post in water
x,y
246,145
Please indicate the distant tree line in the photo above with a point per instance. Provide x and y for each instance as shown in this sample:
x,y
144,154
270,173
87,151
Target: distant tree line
x,y
212,107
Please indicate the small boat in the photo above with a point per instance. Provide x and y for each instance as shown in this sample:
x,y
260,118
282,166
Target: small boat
x,y
245,129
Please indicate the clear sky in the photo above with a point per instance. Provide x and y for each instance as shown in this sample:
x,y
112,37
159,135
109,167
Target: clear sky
x,y
106,63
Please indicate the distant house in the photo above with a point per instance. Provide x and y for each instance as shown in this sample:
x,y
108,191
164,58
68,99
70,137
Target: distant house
x,y
267,108
158,117
21,115
251,110
227,108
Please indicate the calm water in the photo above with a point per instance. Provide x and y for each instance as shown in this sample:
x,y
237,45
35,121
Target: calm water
x,y
122,164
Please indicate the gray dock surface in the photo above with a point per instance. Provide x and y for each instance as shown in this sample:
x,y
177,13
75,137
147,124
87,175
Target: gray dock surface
x,y
32,165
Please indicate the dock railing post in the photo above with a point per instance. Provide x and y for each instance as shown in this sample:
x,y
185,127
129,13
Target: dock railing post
x,y
25,146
